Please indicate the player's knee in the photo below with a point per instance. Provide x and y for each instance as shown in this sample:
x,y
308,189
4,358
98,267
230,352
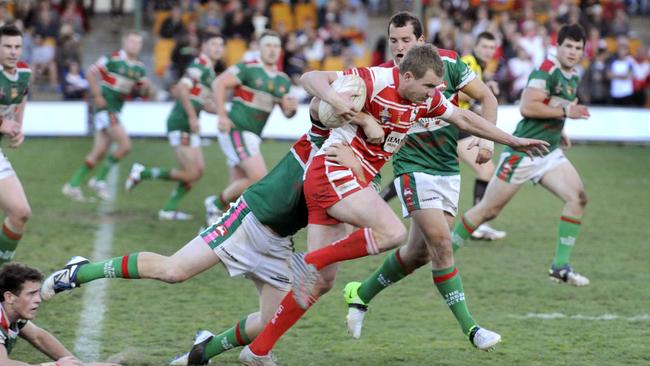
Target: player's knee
x,y
582,198
20,215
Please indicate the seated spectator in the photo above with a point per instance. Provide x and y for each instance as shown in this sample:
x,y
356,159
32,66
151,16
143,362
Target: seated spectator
x,y
211,20
173,27
641,69
186,49
72,16
336,44
237,24
354,18
75,85
43,62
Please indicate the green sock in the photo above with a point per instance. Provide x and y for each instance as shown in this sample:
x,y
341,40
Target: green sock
x,y
390,271
568,231
462,231
8,243
119,267
450,286
81,173
156,173
231,338
177,195
106,166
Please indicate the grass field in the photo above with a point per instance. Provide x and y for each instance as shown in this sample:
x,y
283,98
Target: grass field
x,y
408,324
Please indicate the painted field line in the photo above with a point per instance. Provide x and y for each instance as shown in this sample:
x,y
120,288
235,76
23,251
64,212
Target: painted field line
x,y
604,317
88,343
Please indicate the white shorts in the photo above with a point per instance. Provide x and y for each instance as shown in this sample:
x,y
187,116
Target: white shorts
x,y
182,138
248,248
418,191
6,169
518,169
104,120
239,145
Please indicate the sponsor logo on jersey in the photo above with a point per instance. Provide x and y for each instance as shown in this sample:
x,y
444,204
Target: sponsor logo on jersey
x,y
408,192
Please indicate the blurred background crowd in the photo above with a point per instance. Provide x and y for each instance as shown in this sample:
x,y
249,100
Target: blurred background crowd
x,y
337,34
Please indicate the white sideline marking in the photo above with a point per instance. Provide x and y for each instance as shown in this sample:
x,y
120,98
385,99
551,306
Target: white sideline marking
x,y
553,316
88,344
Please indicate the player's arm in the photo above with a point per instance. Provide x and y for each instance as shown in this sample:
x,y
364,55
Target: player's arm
x,y
183,88
342,154
227,80
371,127
18,138
317,83
289,105
479,91
44,341
94,77
533,106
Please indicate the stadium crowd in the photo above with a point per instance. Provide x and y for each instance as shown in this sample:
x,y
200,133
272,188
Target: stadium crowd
x,y
333,35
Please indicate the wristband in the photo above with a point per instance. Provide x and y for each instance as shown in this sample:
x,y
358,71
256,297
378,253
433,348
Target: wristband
x,y
486,144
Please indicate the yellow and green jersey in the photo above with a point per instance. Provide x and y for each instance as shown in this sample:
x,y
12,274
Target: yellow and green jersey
x,y
199,76
118,76
560,88
259,91
472,62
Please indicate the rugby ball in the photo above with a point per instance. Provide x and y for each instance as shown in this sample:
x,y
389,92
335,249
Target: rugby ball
x,y
347,83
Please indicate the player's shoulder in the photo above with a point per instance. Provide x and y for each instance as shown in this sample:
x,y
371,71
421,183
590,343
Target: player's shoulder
x,y
448,55
549,66
23,66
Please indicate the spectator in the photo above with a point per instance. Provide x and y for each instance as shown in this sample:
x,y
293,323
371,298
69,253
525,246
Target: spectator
x,y
314,46
75,85
641,69
186,49
379,53
72,16
173,26
532,43
354,18
595,85
237,24
211,20
621,75
519,68
25,11
336,44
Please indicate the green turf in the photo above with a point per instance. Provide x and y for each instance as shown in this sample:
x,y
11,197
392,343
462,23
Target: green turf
x,y
408,324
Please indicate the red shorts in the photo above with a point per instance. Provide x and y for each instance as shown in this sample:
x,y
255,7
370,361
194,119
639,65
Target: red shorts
x,y
326,183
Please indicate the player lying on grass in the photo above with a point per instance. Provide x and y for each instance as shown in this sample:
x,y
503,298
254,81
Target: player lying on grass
x,y
19,302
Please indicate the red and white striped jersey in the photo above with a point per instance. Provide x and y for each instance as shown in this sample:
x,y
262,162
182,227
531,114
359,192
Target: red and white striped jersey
x,y
395,114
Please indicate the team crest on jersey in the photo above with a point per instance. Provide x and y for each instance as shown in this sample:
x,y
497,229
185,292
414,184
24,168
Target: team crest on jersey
x,y
558,89
14,92
221,229
271,87
408,192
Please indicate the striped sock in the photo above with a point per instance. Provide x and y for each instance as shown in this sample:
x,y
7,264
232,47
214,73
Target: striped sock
x,y
119,267
358,244
8,242
231,338
462,231
567,233
177,195
81,173
390,271
288,313
450,286
106,166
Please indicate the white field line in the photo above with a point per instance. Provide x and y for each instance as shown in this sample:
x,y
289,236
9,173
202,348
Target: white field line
x,y
88,343
604,317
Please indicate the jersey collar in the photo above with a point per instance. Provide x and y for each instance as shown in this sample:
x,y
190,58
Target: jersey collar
x,y
12,77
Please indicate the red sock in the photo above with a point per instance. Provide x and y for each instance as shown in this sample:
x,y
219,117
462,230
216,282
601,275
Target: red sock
x,y
358,244
285,317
